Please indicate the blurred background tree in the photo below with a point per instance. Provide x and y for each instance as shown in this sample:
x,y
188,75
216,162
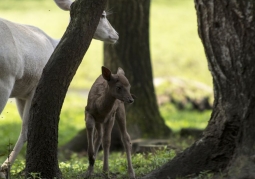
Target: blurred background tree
x,y
132,53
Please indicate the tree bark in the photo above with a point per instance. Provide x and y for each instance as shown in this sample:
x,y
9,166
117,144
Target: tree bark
x,y
227,31
50,93
132,53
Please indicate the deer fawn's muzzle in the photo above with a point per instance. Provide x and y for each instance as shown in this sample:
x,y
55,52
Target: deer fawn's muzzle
x,y
131,101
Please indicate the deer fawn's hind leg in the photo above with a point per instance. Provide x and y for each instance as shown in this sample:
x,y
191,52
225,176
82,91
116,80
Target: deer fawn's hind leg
x,y
121,119
90,125
98,138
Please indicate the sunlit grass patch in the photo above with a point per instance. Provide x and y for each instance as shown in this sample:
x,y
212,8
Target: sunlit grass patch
x,y
178,119
176,49
72,118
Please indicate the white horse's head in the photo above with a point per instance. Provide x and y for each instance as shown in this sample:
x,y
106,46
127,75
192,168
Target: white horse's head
x,y
104,32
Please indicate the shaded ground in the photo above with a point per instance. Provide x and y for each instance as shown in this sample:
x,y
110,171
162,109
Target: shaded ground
x,y
146,147
177,142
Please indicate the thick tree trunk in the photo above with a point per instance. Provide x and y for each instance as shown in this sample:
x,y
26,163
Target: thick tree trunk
x,y
132,53
227,30
52,88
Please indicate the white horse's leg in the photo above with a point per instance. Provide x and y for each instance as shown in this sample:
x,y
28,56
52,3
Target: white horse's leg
x,y
20,105
23,107
5,91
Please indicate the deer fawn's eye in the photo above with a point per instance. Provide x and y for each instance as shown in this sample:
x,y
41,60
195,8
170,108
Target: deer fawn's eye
x,y
118,88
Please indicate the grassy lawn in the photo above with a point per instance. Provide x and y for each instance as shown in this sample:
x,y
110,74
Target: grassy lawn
x,y
176,50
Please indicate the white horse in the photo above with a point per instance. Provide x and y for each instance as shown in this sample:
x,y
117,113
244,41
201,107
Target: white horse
x,y
24,51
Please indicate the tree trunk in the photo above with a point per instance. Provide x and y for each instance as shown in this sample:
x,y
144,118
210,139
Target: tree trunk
x,y
132,53
227,31
53,85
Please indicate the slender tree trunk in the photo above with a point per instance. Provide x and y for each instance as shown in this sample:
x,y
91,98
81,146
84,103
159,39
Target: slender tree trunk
x,y
132,53
227,31
50,93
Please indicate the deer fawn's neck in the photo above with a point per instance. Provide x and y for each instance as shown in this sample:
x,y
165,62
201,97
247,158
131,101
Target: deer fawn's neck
x,y
106,103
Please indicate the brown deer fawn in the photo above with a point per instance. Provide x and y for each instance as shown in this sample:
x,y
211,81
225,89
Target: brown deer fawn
x,y
105,104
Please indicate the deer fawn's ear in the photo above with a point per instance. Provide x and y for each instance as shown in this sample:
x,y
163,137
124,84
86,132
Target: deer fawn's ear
x,y
120,71
133,96
106,73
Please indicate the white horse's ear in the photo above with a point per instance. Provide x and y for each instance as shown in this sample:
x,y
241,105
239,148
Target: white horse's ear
x,y
120,71
64,4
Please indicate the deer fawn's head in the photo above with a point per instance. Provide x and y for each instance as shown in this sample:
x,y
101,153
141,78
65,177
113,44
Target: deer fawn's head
x,y
119,85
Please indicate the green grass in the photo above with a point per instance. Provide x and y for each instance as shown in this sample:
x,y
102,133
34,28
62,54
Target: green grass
x,y
177,120
176,50
72,120
77,166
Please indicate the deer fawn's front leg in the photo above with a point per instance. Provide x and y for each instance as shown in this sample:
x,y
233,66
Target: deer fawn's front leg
x,y
90,125
107,141
121,119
